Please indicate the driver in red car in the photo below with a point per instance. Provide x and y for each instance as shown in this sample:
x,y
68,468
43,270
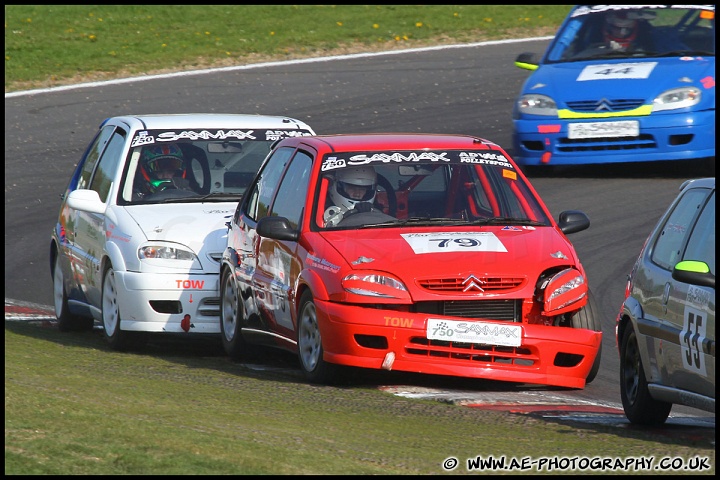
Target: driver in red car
x,y
352,189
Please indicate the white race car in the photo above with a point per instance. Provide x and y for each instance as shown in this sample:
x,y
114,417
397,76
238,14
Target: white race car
x,y
142,224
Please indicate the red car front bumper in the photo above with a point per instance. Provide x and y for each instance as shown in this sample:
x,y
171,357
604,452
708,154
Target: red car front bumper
x,y
374,338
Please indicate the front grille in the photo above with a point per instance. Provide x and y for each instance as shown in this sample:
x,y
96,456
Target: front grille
x,y
605,105
505,310
463,284
508,310
609,144
488,354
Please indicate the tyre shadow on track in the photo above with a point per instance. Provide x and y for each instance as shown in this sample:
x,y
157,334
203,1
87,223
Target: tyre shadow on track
x,y
670,169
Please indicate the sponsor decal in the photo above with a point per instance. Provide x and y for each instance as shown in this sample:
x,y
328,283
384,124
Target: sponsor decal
x,y
145,138
331,162
474,332
115,234
218,211
322,264
142,138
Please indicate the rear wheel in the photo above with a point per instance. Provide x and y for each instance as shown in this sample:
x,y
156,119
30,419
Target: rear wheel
x,y
66,320
640,408
587,318
310,349
230,316
114,335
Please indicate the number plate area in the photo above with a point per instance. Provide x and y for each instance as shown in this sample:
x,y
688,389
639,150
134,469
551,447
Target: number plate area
x,y
624,128
485,333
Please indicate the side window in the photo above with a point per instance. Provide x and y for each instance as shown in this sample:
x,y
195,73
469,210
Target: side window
x,y
107,167
93,154
701,245
668,246
262,192
292,193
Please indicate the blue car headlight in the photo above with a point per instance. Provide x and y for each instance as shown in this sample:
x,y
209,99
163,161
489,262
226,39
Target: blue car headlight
x,y
535,104
682,97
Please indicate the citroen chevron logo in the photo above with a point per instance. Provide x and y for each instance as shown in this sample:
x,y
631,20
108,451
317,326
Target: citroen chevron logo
x,y
472,282
603,104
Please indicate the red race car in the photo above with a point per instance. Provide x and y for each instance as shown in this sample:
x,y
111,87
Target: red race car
x,y
408,252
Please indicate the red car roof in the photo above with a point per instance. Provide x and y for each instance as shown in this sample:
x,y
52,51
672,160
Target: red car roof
x,y
399,141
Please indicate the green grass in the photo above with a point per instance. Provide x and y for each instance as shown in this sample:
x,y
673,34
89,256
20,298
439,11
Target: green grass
x,y
53,45
72,406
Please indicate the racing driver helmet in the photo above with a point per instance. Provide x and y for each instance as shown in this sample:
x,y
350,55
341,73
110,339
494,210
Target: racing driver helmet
x,y
354,185
620,30
160,163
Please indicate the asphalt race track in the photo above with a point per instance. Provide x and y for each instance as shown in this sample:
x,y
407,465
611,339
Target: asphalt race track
x,y
451,90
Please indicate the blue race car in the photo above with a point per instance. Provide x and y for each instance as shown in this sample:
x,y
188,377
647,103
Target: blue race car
x,y
621,83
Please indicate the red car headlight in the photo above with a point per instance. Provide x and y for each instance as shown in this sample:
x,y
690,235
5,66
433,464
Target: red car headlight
x,y
564,289
373,284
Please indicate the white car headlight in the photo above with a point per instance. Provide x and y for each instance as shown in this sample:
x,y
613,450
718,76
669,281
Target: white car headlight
x,y
534,104
165,252
677,98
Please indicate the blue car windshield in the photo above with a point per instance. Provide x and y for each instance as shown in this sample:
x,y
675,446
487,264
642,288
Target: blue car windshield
x,y
620,31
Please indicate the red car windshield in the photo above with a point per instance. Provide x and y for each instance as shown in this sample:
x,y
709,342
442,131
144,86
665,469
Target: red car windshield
x,y
443,187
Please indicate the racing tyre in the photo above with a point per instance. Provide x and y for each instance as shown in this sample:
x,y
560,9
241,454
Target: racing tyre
x,y
640,408
231,309
66,320
310,350
588,318
116,338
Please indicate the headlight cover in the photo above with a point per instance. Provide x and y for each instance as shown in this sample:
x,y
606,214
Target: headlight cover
x,y
563,290
675,98
535,104
373,284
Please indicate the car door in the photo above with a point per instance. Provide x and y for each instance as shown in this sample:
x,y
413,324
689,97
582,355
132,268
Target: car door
x,y
90,228
278,265
69,217
664,298
691,310
243,237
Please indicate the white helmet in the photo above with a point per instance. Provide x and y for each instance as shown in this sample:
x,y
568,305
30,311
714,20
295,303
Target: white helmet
x,y
353,185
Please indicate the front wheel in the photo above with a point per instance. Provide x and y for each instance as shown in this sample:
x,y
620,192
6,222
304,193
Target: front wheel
x,y
310,349
114,335
588,318
230,316
67,321
640,408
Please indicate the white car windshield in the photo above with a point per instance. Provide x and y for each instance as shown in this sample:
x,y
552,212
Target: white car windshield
x,y
195,164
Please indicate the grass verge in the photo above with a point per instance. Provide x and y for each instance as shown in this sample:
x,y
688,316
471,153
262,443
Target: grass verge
x,y
50,45
72,406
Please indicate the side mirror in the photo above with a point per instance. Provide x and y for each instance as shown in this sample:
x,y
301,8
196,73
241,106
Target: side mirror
x,y
694,272
277,228
527,61
86,201
571,221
